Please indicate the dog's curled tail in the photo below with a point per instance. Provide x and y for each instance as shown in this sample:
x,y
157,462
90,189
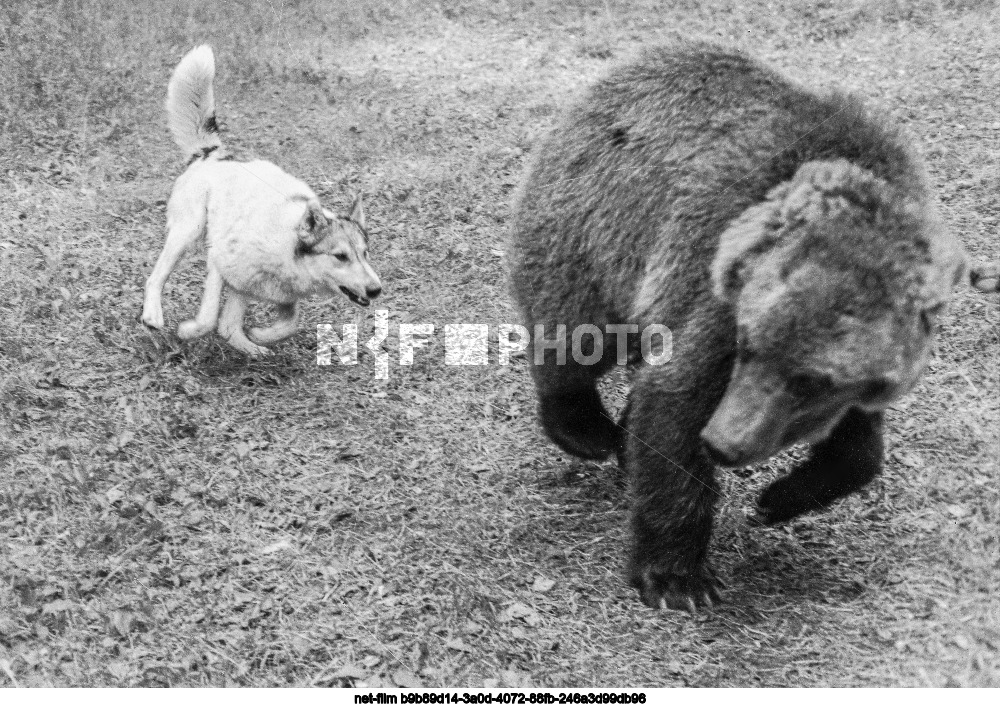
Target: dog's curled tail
x,y
191,104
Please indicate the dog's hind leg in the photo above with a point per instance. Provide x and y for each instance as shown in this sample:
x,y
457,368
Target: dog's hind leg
x,y
282,328
208,314
180,237
231,326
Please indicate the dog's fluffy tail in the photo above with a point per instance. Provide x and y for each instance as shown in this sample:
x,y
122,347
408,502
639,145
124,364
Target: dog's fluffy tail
x,y
191,104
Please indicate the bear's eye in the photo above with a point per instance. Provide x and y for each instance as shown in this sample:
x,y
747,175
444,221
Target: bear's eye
x,y
876,389
809,385
743,351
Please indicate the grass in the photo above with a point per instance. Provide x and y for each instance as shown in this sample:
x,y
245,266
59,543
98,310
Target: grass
x,y
172,514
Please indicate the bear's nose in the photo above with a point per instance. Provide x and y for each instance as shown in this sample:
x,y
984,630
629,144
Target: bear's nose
x,y
720,455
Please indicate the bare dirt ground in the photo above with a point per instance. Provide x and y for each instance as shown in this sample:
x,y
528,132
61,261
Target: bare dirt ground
x,y
172,514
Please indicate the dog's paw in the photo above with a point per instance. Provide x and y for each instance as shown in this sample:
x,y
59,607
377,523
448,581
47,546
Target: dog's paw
x,y
192,329
252,350
269,335
260,352
258,334
152,317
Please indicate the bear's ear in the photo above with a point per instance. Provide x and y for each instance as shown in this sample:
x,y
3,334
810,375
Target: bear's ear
x,y
314,225
748,237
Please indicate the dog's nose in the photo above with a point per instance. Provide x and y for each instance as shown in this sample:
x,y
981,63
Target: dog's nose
x,y
373,293
719,455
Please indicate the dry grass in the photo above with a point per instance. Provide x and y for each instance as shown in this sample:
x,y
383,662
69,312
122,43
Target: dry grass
x,y
174,515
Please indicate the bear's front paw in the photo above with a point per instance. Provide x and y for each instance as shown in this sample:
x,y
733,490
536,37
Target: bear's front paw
x,y
664,589
589,438
785,499
578,423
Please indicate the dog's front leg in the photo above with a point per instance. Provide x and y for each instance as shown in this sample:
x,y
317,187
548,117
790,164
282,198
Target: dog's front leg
x,y
282,328
231,326
208,314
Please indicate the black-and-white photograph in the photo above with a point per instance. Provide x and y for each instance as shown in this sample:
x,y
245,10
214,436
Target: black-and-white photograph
x,y
500,344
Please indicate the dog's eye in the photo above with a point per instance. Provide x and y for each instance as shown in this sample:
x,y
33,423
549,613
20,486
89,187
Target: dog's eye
x,y
928,317
342,257
926,322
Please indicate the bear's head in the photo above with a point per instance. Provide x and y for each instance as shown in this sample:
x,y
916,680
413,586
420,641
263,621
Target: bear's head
x,y
836,281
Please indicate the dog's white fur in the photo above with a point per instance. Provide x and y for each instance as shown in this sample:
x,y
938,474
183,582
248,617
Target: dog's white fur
x,y
268,236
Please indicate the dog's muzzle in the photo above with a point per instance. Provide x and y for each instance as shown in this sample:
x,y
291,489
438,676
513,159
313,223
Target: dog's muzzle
x,y
355,298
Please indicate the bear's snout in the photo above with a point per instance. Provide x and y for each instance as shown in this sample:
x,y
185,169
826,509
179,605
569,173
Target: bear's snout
x,y
720,454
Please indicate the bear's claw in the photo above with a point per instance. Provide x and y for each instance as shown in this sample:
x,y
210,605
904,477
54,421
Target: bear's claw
x,y
667,590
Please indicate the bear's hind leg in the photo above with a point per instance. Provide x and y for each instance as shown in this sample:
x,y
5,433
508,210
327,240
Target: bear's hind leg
x,y
847,460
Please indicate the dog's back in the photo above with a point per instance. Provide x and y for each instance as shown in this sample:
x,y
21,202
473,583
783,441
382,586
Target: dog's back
x,y
253,201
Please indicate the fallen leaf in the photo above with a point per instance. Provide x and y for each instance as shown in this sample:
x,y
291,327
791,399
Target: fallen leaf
x,y
56,606
118,669
519,610
513,679
282,545
406,679
542,584
956,510
350,671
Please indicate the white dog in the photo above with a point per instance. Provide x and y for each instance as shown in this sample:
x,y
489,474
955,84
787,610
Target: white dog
x,y
268,236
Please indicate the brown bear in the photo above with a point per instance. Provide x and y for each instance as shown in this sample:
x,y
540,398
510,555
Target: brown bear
x,y
788,239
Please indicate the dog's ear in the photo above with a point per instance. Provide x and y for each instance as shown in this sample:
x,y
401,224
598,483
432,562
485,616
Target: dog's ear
x,y
358,212
314,225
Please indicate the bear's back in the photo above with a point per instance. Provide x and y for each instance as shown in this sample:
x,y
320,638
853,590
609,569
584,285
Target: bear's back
x,y
654,162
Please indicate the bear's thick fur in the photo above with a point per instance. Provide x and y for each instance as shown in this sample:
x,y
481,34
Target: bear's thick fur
x,y
790,242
